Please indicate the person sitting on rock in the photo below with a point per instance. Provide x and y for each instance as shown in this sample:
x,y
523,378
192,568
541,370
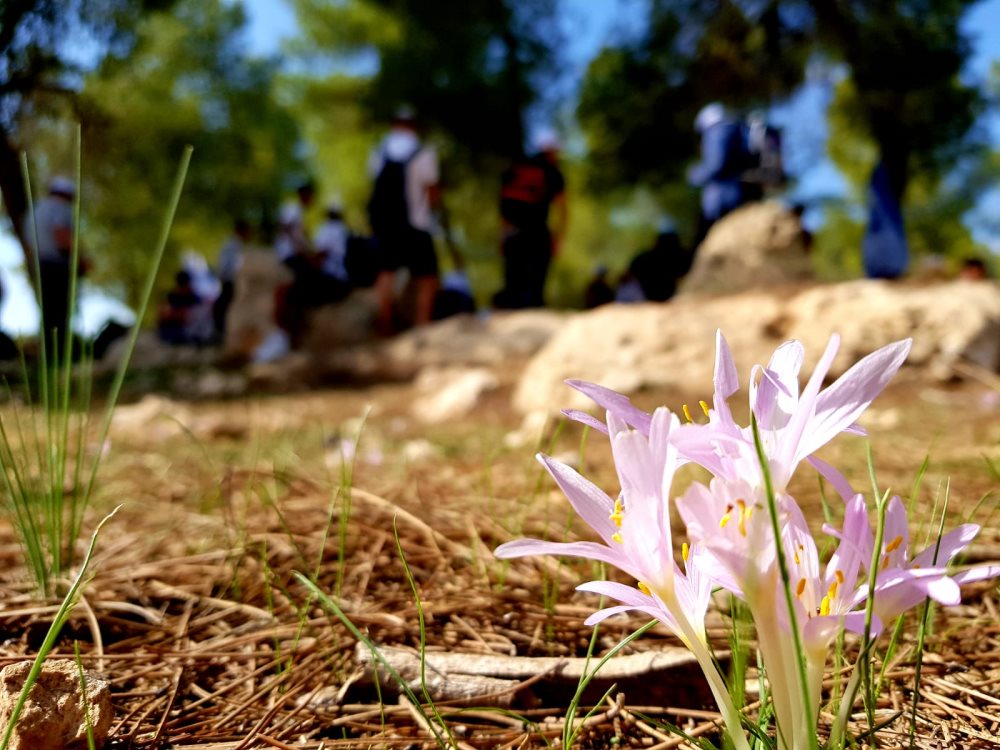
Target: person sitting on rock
x,y
177,315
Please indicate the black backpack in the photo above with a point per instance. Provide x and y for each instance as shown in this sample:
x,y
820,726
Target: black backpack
x,y
388,211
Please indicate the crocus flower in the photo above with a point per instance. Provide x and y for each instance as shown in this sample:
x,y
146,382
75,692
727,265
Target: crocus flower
x,y
793,425
902,582
636,537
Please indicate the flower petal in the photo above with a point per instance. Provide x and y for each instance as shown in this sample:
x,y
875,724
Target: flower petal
x,y
613,401
584,418
950,545
587,550
587,499
839,406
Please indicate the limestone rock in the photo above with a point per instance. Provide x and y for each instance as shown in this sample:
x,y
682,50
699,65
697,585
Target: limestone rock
x,y
671,346
346,323
755,247
451,393
251,314
53,717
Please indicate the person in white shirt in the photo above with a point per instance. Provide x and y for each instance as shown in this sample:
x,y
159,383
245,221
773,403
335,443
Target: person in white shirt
x,y
330,243
401,213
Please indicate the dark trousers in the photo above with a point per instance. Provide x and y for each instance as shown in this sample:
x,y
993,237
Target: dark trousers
x,y
54,284
527,255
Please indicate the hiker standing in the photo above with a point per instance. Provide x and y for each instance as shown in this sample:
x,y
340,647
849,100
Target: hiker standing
x,y
723,161
230,260
529,188
404,196
53,244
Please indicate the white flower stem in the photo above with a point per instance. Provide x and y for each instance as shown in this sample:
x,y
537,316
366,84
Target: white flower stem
x,y
695,641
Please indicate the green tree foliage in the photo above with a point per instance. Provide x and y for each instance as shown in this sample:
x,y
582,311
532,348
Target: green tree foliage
x,y
38,70
639,98
471,69
186,79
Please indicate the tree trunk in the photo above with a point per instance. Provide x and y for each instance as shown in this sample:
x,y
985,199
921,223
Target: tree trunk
x,y
12,189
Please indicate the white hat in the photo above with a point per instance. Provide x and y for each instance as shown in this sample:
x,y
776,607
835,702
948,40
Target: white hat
x,y
62,186
546,139
710,114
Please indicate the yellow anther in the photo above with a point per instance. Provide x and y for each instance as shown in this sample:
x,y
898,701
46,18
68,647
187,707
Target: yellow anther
x,y
685,551
687,412
704,407
744,515
832,593
885,562
797,560
840,575
617,537
724,521
617,515
644,588
824,606
894,544
801,587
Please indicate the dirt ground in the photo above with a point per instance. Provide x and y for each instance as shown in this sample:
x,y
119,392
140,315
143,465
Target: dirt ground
x,y
208,640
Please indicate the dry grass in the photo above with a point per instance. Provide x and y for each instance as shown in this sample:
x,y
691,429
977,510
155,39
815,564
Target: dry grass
x,y
195,617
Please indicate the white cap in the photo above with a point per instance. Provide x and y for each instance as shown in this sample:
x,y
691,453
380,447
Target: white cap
x,y
62,186
546,139
710,114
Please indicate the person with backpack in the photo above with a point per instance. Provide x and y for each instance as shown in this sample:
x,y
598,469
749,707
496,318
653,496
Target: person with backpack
x,y
531,188
404,197
719,174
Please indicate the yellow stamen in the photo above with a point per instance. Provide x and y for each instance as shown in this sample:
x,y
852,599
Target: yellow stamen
x,y
840,576
617,537
617,515
743,517
704,407
801,587
797,560
644,589
894,544
832,593
885,562
685,551
687,412
724,521
824,606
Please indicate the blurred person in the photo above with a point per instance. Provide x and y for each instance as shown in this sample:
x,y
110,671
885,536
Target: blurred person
x,y
291,242
330,243
178,316
455,295
973,269
296,253
719,173
230,260
884,250
531,189
658,270
599,291
51,232
405,193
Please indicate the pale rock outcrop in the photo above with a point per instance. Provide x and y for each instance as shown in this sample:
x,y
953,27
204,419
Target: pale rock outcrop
x,y
755,247
670,346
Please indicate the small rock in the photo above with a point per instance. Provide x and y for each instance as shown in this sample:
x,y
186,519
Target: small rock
x,y
450,393
53,716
